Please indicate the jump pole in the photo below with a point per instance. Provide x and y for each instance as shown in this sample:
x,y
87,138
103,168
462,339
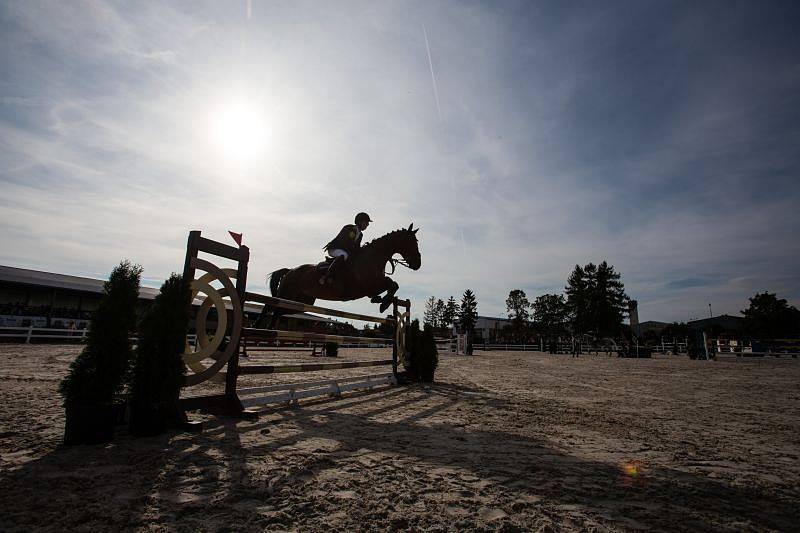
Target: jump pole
x,y
230,322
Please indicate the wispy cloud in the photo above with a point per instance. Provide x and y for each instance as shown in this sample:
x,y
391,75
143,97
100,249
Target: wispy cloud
x,y
661,138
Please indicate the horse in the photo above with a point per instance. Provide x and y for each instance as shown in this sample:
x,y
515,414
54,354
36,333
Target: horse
x,y
362,275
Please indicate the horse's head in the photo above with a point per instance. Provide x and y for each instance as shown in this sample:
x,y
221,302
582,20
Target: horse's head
x,y
408,247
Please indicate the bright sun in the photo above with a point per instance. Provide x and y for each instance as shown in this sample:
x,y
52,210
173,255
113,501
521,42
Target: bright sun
x,y
239,131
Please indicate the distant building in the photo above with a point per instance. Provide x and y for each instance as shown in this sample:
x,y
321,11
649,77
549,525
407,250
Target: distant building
x,y
489,328
728,323
652,325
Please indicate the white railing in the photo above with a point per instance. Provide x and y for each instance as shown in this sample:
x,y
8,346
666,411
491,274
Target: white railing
x,y
31,332
28,333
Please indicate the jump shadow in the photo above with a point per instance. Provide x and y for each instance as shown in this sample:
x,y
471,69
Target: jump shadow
x,y
177,476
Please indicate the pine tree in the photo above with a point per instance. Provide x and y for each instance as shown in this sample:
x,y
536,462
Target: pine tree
x,y
429,316
158,371
100,370
596,299
439,314
450,312
468,312
610,300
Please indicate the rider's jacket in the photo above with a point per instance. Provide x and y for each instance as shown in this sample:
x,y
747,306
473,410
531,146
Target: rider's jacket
x,y
348,239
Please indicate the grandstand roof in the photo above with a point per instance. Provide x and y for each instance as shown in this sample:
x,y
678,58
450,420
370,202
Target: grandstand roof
x,y
61,281
51,280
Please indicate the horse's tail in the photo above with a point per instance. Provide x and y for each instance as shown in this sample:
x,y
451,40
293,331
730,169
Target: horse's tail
x,y
275,280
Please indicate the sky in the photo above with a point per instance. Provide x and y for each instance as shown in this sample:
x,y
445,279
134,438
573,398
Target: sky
x,y
522,138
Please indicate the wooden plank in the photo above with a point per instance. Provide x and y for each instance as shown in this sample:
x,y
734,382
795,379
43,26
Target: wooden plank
x,y
292,393
193,403
217,248
254,334
299,306
308,367
310,384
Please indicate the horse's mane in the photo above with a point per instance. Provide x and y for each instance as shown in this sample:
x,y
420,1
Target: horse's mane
x,y
382,238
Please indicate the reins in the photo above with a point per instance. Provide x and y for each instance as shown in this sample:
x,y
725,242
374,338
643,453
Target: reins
x,y
394,263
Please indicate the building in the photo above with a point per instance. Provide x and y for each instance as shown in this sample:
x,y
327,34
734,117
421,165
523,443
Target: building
x,y
652,325
46,299
489,328
722,323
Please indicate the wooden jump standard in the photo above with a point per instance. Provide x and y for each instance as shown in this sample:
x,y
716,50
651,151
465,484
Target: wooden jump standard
x,y
230,337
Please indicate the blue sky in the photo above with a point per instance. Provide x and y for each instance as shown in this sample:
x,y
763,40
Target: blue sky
x,y
525,138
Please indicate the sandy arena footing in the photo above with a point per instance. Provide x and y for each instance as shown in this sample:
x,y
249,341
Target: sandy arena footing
x,y
503,441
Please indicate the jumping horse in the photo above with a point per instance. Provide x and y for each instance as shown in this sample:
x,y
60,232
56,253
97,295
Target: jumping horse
x,y
363,275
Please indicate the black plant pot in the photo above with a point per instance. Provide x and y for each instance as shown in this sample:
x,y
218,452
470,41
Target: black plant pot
x,y
148,420
90,424
331,349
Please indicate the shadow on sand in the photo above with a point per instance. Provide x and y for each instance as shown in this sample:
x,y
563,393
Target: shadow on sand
x,y
240,471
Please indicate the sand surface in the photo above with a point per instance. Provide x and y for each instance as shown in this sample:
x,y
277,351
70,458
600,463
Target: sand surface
x,y
503,441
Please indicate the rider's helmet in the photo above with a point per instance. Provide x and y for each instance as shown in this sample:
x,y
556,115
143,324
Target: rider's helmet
x,y
362,216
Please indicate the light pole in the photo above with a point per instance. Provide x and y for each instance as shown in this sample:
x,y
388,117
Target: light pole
x,y
710,314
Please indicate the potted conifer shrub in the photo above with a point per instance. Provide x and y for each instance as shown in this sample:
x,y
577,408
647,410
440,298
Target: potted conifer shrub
x,y
158,369
98,373
423,354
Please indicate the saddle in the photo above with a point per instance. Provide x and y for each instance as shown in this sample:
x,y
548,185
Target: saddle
x,y
325,264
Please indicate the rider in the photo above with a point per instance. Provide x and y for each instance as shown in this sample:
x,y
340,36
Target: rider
x,y
345,244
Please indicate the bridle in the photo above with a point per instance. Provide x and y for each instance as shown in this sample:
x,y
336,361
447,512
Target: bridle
x,y
394,263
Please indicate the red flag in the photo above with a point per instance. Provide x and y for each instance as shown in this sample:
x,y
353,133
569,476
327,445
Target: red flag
x,y
236,237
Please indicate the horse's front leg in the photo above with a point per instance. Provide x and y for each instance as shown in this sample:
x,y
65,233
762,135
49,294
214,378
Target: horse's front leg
x,y
391,287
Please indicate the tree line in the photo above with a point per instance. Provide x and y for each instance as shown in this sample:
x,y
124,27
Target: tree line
x,y
440,315
594,302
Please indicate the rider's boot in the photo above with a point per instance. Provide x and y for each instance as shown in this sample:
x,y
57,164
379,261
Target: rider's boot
x,y
327,277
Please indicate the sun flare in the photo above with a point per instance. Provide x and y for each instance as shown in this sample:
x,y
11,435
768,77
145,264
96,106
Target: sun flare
x,y
239,131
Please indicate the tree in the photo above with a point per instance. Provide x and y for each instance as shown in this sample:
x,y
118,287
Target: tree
x,y
517,305
468,312
429,316
423,355
158,370
609,301
550,313
101,369
577,291
439,314
678,330
596,299
450,312
770,317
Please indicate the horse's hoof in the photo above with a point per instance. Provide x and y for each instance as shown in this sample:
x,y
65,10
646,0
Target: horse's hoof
x,y
385,305
376,299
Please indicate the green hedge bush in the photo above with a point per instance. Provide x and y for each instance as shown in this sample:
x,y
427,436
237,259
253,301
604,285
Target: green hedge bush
x,y
158,370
